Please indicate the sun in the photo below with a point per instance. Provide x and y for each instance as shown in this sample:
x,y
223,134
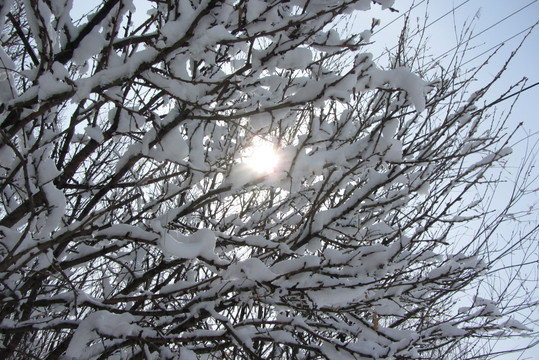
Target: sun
x,y
261,156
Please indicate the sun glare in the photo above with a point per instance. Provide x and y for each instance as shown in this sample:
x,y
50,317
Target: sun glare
x,y
262,157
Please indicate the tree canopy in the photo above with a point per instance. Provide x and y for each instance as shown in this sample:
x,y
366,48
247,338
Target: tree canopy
x,y
241,180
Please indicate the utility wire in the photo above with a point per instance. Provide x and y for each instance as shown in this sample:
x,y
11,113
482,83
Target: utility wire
x,y
486,29
426,26
398,17
501,43
440,17
472,37
510,96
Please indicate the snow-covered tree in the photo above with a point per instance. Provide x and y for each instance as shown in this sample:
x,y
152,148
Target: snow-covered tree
x,y
238,180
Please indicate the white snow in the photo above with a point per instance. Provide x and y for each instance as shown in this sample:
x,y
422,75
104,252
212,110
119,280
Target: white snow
x,y
90,45
514,324
98,323
365,35
201,243
171,147
489,307
128,231
94,133
7,84
252,269
385,3
403,78
449,330
296,59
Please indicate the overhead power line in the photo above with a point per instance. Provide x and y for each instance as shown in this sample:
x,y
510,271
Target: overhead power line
x,y
469,39
501,43
486,29
398,17
512,95
426,26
